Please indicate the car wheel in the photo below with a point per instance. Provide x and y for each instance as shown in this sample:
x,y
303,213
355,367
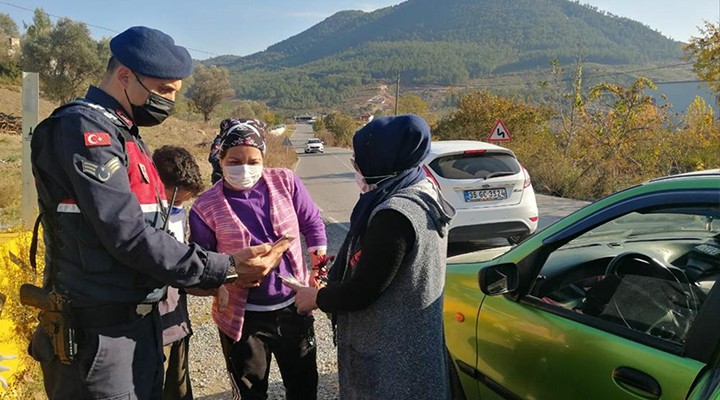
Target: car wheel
x,y
515,239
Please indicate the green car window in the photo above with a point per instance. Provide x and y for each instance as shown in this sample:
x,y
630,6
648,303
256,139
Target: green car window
x,y
646,271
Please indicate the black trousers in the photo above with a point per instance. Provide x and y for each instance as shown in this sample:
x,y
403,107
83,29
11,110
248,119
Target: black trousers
x,y
287,335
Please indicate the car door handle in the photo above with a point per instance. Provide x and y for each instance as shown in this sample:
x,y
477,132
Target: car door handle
x,y
637,382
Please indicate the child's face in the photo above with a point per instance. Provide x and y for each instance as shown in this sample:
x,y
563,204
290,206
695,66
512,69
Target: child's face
x,y
182,195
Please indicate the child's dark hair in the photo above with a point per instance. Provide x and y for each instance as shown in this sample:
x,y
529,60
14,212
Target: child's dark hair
x,y
177,168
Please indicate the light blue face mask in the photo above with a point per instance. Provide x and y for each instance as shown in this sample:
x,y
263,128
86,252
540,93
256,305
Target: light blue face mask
x,y
175,210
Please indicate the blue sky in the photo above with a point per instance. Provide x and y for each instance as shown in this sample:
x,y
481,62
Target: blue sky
x,y
242,27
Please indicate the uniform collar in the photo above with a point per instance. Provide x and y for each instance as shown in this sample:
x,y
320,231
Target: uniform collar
x,y
100,97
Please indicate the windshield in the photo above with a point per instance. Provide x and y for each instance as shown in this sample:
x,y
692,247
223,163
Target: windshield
x,y
695,222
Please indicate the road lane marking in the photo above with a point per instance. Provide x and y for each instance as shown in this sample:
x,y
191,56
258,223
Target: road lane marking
x,y
343,162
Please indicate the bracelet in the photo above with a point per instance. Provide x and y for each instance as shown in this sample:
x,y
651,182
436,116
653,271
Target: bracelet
x,y
231,269
231,274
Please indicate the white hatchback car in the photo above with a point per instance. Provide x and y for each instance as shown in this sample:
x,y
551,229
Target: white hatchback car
x,y
488,187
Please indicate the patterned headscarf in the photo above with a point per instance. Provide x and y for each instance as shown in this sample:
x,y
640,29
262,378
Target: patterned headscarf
x,y
242,132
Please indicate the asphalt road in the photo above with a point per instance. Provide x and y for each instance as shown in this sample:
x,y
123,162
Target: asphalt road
x,y
330,179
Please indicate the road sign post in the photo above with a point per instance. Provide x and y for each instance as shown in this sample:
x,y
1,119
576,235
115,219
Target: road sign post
x,y
30,117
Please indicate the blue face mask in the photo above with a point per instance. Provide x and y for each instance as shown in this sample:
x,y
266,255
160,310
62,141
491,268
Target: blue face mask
x,y
175,210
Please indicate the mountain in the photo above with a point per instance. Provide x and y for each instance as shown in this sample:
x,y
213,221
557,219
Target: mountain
x,y
441,42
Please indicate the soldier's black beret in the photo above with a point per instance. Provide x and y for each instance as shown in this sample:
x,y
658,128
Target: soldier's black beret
x,y
152,53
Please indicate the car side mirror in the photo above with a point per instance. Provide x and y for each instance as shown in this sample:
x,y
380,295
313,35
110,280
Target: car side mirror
x,y
498,279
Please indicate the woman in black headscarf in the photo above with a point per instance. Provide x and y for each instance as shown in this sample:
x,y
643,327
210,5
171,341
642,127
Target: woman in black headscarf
x,y
385,289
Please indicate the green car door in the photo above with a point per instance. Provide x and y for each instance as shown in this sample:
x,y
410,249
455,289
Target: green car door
x,y
534,354
616,301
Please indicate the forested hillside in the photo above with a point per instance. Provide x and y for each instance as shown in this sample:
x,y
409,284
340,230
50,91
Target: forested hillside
x,y
443,42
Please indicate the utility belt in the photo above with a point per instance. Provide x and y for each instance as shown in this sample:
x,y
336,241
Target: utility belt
x,y
110,314
60,320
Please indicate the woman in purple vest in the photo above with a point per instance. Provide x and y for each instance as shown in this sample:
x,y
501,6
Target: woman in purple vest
x,y
253,205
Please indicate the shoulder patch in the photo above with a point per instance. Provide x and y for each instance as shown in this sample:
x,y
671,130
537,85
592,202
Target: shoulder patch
x,y
97,139
121,115
101,173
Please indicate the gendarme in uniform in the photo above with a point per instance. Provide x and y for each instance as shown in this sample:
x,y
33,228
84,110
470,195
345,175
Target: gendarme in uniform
x,y
103,207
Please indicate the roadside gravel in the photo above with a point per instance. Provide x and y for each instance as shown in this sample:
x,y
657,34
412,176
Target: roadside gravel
x,y
207,366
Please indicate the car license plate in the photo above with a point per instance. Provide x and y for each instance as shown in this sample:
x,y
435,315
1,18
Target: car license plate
x,y
485,195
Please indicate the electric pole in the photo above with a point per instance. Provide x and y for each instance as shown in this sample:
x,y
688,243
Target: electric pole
x,y
397,92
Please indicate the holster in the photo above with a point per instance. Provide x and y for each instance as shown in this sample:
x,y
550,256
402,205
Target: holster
x,y
56,319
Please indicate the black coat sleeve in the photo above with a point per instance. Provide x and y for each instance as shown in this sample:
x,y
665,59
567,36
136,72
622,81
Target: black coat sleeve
x,y
114,214
388,238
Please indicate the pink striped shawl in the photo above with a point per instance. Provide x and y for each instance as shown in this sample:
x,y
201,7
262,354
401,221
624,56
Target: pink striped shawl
x,y
212,207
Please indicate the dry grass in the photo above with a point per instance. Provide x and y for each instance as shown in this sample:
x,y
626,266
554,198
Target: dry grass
x,y
328,138
197,136
10,180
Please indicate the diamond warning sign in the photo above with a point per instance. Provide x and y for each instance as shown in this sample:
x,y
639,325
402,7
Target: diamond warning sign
x,y
499,133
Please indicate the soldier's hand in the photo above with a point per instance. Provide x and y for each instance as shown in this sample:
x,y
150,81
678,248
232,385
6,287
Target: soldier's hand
x,y
254,263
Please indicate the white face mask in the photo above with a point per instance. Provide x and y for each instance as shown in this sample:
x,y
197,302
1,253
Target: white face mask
x,y
361,184
242,176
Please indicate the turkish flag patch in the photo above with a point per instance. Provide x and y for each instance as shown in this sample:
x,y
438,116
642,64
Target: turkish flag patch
x,y
97,139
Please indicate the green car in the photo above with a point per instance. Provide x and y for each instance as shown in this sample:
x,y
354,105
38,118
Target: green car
x,y
615,301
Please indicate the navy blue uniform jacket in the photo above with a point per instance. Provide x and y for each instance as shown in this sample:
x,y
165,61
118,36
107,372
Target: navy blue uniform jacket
x,y
104,206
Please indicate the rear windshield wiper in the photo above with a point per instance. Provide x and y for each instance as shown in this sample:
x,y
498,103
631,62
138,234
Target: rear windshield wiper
x,y
499,173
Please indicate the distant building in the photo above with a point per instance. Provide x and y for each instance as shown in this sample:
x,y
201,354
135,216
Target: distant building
x,y
377,100
277,130
305,118
366,117
14,44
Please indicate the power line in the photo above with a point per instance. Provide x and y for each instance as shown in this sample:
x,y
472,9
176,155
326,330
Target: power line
x,y
92,25
57,16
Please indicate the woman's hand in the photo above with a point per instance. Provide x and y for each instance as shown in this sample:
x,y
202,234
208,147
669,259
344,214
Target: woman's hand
x,y
305,297
320,262
315,281
223,298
